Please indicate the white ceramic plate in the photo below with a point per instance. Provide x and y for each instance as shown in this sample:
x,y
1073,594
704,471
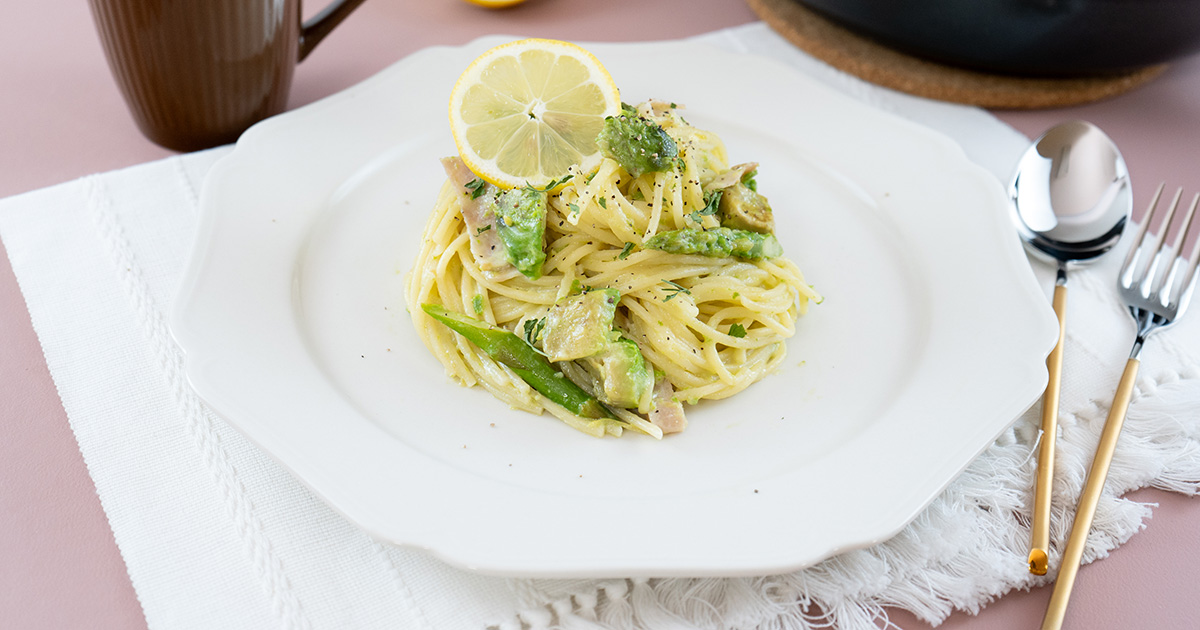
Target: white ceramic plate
x,y
931,340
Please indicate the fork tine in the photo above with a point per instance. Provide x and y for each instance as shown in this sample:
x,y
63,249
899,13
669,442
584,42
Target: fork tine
x,y
1161,286
1193,258
1187,225
1135,246
1157,268
1166,222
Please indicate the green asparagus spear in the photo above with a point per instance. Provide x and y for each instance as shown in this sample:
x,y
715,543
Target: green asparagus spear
x,y
514,352
717,243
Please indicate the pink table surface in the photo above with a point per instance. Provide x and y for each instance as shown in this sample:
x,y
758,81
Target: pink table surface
x,y
62,117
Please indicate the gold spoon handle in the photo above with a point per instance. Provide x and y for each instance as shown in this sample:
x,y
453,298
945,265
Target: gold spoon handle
x,y
1086,511
1039,560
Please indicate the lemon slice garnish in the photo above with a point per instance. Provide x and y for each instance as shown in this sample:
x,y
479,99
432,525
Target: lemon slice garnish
x,y
523,112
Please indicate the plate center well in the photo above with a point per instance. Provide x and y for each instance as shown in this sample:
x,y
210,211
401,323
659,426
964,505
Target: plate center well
x,y
845,365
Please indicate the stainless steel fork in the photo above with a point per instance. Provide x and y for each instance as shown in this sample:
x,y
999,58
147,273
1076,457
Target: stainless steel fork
x,y
1155,283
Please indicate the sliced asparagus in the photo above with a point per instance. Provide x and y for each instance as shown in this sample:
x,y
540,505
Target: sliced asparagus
x,y
514,352
717,243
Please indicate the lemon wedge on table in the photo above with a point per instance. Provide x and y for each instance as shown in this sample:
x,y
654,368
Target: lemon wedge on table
x,y
495,4
525,111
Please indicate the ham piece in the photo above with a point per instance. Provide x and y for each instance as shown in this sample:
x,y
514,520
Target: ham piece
x,y
478,213
667,413
731,177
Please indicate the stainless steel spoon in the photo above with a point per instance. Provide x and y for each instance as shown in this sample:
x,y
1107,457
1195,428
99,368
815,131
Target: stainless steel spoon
x,y
1071,199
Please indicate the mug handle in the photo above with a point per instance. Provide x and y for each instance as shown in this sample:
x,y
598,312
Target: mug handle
x,y
323,23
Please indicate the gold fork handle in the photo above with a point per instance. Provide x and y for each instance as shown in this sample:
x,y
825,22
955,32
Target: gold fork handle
x,y
1039,559
1086,511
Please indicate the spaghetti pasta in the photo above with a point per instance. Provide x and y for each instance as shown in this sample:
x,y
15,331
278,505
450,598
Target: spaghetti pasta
x,y
709,326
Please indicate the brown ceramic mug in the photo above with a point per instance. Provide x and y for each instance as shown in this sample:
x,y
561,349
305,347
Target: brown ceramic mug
x,y
197,73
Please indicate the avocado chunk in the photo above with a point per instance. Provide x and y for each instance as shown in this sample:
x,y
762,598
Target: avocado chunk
x,y
580,326
624,376
744,209
637,144
521,223
717,243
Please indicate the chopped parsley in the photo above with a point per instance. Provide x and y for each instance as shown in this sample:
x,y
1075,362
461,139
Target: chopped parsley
x,y
737,330
674,290
533,330
550,186
625,251
477,304
483,229
712,202
477,187
603,203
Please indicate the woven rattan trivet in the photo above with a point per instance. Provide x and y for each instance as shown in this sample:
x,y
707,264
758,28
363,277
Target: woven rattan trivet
x,y
846,51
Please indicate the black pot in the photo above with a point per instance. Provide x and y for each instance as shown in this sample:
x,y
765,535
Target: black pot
x,y
1056,38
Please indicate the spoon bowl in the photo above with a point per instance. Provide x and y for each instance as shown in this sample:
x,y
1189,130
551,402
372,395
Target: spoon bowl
x,y
1071,194
1071,199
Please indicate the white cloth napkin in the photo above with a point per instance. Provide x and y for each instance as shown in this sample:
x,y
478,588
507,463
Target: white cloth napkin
x,y
216,535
